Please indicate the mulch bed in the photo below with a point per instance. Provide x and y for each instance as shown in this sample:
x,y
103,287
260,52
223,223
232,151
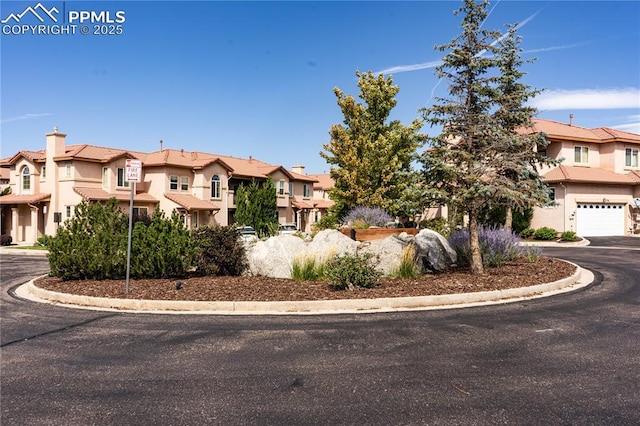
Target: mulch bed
x,y
519,273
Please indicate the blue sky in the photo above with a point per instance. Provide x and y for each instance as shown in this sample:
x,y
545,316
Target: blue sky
x,y
257,78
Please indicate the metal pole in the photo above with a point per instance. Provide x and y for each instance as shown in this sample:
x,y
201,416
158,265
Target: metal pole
x,y
133,190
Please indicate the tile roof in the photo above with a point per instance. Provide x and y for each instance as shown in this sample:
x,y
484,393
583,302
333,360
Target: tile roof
x,y
23,199
556,130
323,181
190,202
323,204
587,174
98,194
301,205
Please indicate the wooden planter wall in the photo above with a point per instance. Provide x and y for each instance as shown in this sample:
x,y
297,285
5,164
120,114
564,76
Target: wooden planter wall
x,y
376,233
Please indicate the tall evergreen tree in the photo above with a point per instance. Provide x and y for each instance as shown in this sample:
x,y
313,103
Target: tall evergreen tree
x,y
521,149
370,156
256,206
484,156
459,160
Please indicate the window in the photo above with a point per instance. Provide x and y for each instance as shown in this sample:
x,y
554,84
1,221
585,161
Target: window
x,y
173,183
215,186
184,183
290,189
26,179
306,193
68,170
194,219
281,188
121,181
105,178
581,155
140,211
631,157
69,211
43,173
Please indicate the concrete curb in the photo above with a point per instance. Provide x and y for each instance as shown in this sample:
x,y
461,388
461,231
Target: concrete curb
x,y
23,252
582,243
579,279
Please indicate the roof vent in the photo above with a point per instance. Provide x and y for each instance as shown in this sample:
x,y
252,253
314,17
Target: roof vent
x,y
570,119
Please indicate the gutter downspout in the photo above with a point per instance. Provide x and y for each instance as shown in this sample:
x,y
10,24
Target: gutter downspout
x,y
564,207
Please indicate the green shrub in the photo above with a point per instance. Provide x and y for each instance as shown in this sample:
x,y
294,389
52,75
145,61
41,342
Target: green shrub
x,y
545,234
568,236
526,233
162,249
495,218
349,271
407,267
328,221
90,245
219,251
440,225
307,269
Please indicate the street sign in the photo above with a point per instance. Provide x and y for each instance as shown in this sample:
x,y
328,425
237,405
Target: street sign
x,y
133,171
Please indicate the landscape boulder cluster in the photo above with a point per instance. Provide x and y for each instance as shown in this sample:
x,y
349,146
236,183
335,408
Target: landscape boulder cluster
x,y
275,256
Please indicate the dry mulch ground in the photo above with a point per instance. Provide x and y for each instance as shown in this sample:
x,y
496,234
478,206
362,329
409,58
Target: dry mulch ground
x,y
247,288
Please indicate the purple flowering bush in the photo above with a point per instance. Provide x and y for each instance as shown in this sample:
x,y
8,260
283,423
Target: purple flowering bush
x,y
364,217
497,246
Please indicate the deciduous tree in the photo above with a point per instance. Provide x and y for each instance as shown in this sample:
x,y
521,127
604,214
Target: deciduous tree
x,y
370,156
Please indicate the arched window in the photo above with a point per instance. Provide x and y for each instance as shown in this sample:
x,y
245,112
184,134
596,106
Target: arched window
x,y
215,186
26,179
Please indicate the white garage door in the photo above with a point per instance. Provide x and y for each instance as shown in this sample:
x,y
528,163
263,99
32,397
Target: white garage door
x,y
598,220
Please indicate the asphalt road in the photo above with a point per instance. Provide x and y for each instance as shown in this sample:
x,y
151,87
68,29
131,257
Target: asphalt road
x,y
568,359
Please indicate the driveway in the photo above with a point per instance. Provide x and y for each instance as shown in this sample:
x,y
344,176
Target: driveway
x,y
619,242
567,359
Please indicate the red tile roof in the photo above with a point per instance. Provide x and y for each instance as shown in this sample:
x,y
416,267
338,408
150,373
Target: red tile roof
x,y
323,204
23,199
587,174
190,202
556,130
324,181
99,194
301,205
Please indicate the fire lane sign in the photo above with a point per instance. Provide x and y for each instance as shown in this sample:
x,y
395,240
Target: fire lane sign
x,y
133,171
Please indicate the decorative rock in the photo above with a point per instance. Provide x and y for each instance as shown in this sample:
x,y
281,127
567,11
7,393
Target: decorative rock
x,y
433,251
328,243
389,251
274,256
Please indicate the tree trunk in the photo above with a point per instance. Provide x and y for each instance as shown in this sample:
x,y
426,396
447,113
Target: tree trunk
x,y
508,221
474,243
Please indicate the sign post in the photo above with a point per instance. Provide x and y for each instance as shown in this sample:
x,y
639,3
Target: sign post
x,y
133,172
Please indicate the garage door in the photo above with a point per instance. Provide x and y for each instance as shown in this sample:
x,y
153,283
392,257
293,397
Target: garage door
x,y
598,220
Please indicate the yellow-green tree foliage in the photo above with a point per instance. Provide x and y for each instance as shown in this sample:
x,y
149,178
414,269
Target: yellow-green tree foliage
x,y
370,156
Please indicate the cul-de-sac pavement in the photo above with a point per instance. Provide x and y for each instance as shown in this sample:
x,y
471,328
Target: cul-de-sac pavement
x,y
572,358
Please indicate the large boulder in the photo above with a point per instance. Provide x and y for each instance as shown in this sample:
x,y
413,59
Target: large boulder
x,y
274,256
389,251
433,252
328,243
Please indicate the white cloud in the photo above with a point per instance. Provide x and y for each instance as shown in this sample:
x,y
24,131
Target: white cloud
x,y
412,67
588,99
25,117
633,124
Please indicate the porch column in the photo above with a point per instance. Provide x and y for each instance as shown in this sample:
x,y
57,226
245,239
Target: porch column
x,y
14,224
34,224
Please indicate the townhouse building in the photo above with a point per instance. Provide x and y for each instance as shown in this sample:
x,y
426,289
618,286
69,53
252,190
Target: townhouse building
x,y
595,190
46,185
